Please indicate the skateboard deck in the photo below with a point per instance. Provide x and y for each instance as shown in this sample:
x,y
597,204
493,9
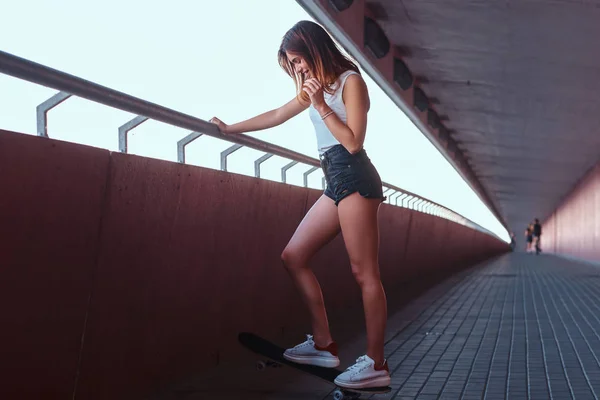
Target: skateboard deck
x,y
274,355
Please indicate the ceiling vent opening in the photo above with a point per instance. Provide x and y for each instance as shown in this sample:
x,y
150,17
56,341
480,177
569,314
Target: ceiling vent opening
x,y
375,39
420,99
402,75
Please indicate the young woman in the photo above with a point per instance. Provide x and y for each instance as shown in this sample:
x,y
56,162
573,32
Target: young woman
x,y
331,87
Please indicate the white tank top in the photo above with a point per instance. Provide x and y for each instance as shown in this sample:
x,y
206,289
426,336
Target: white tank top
x,y
325,139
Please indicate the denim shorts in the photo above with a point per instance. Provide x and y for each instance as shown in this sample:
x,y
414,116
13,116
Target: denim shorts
x,y
347,173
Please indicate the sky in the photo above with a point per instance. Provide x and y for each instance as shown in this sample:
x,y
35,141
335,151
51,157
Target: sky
x,y
204,58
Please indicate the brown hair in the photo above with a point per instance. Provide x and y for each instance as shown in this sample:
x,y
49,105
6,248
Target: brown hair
x,y
310,41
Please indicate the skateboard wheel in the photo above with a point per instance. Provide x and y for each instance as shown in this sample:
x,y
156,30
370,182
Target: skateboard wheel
x,y
261,365
341,394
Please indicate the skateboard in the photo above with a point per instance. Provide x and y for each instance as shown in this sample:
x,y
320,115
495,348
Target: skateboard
x,y
275,359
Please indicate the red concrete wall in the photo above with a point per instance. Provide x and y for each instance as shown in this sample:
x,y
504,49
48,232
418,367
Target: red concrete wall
x,y
122,273
50,212
574,227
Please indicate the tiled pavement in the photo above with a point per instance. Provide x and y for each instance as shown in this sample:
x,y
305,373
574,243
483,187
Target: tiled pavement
x,y
518,327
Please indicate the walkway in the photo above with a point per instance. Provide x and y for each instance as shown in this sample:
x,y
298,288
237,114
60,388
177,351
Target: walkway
x,y
519,327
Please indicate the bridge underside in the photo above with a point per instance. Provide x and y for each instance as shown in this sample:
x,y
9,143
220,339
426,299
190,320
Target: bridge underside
x,y
515,82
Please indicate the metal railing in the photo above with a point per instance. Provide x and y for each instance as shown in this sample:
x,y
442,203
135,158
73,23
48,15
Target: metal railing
x,y
69,85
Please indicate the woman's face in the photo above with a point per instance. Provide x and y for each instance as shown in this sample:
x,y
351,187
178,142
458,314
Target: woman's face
x,y
300,64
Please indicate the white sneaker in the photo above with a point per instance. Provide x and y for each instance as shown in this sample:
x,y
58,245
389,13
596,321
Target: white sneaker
x,y
309,353
364,375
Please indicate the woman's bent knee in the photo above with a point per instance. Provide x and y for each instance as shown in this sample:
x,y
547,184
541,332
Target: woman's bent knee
x,y
292,259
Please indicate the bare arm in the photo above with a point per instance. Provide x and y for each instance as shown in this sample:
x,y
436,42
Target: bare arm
x,y
356,99
265,120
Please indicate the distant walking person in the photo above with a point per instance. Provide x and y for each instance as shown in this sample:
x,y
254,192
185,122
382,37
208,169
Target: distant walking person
x,y
331,87
529,237
537,235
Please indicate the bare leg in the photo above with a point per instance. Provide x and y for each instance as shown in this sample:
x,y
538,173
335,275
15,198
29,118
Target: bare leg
x,y
359,225
319,226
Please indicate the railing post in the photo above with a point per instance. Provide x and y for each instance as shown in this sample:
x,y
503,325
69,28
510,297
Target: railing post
x,y
260,161
306,174
184,142
426,207
417,203
401,197
397,194
387,190
414,200
284,170
125,128
42,112
226,153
